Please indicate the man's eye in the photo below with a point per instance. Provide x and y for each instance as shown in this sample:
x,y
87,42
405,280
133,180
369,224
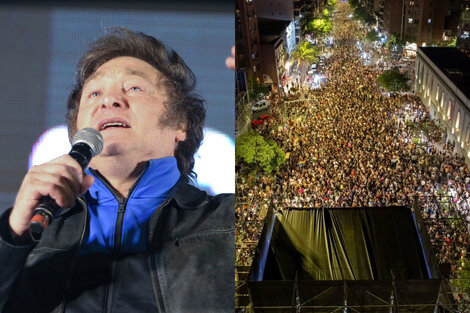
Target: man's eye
x,y
135,89
94,94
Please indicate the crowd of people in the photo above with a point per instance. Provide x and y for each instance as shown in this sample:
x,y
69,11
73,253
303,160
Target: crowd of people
x,y
348,144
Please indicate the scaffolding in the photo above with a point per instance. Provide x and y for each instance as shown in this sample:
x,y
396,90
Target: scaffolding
x,y
433,296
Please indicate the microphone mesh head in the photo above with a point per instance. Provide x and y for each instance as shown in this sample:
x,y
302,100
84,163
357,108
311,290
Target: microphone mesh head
x,y
91,137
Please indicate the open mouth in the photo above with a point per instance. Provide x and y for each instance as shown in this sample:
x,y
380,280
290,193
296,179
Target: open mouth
x,y
112,124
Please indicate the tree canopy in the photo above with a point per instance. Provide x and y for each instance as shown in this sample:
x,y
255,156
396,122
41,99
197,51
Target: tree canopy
x,y
256,90
393,40
260,154
448,43
319,26
330,6
461,283
372,35
361,13
305,52
393,81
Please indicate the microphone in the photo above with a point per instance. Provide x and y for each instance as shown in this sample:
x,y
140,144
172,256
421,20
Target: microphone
x,y
86,144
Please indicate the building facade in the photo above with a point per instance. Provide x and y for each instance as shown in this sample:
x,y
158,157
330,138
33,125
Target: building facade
x,y
247,42
266,32
273,36
442,82
392,16
419,21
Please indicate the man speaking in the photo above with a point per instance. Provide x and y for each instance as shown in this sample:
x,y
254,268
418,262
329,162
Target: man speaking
x,y
132,234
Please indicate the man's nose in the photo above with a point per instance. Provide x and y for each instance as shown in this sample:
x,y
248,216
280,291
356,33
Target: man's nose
x,y
114,98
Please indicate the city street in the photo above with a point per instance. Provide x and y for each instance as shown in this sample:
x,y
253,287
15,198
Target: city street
x,y
349,144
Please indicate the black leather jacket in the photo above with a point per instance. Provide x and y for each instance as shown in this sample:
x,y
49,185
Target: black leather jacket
x,y
189,265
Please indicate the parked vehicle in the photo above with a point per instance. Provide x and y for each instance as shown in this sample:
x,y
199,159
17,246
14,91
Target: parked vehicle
x,y
261,105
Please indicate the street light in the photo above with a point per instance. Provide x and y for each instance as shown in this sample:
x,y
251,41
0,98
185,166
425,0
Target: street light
x,y
288,65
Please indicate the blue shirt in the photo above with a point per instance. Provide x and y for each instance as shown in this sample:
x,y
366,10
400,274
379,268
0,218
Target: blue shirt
x,y
148,193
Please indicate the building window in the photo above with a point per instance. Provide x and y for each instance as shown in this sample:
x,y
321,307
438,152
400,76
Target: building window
x,y
431,80
418,68
457,122
410,20
468,133
421,74
425,82
412,3
450,110
429,21
437,92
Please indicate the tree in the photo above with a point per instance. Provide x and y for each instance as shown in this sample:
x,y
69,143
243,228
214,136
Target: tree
x,y
354,3
453,42
319,26
330,5
372,36
260,154
461,284
393,40
448,43
305,52
304,21
362,14
255,90
393,80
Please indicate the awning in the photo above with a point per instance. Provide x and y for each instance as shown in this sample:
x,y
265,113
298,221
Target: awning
x,y
267,80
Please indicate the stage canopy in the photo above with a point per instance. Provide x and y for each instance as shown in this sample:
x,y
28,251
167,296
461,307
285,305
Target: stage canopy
x,y
368,259
342,244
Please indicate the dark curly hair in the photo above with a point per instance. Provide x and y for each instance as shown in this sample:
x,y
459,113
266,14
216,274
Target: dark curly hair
x,y
185,107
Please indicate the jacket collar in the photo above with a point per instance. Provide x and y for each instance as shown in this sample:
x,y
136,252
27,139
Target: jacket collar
x,y
187,196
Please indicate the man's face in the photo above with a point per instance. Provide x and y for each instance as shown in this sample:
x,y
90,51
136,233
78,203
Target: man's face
x,y
123,101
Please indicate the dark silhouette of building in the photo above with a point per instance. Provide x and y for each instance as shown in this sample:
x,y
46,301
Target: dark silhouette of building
x,y
419,21
463,30
247,41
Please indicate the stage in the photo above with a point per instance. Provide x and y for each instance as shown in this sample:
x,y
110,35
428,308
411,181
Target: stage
x,y
375,259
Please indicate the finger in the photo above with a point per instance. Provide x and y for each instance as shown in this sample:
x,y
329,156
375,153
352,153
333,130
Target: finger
x,y
58,173
88,180
69,161
230,63
59,188
59,181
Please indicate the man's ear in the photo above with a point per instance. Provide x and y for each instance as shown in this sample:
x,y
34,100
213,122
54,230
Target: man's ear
x,y
180,134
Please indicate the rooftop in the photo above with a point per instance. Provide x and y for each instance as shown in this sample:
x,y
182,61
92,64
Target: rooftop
x,y
453,63
270,29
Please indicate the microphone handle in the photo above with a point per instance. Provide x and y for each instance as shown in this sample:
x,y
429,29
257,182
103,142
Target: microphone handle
x,y
42,216
47,208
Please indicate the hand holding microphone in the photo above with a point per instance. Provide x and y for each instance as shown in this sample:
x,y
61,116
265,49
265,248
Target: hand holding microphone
x,y
48,187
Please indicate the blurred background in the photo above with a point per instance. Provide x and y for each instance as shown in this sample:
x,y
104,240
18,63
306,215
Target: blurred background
x,y
40,45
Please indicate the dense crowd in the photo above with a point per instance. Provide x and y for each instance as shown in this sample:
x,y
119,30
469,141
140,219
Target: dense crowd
x,y
351,145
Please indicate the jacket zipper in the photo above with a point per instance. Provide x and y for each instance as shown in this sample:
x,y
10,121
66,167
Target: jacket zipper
x,y
109,293
157,292
61,308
